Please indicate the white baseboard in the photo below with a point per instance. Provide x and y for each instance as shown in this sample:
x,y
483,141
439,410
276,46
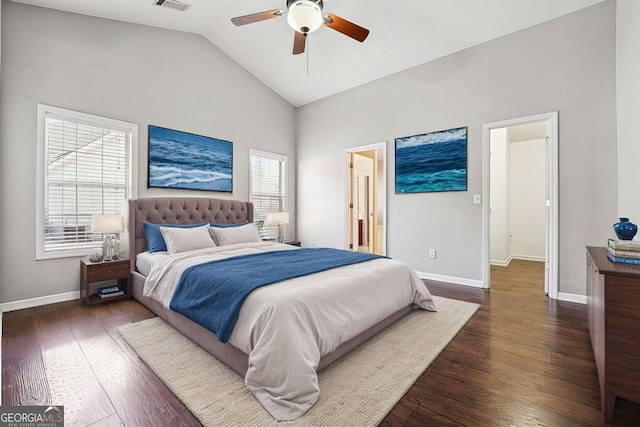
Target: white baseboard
x,y
36,302
502,263
528,258
450,279
580,299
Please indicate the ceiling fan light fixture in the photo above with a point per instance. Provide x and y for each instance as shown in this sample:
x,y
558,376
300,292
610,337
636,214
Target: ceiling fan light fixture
x,y
305,16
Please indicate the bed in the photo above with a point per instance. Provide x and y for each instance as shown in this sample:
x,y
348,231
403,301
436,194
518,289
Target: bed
x,y
286,395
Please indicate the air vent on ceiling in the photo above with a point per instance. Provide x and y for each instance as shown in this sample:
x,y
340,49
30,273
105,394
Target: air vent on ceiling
x,y
173,4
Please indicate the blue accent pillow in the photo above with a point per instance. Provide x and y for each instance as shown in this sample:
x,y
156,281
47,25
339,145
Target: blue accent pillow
x,y
237,224
155,241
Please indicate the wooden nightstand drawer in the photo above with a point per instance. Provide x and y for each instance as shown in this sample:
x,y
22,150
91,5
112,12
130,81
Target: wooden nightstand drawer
x,y
107,271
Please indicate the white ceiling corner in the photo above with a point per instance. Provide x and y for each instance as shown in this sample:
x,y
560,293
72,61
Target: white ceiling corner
x,y
403,34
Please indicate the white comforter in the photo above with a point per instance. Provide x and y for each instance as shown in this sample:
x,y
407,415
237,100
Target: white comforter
x,y
287,327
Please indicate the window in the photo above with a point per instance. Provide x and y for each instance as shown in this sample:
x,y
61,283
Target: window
x,y
267,188
84,168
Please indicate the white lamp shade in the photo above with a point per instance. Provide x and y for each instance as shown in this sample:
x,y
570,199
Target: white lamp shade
x,y
278,218
106,223
305,16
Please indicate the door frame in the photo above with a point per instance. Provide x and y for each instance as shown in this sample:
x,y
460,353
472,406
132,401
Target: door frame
x,y
551,266
383,191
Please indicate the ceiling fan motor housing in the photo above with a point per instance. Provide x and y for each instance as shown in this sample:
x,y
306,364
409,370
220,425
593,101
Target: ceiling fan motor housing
x,y
305,16
318,2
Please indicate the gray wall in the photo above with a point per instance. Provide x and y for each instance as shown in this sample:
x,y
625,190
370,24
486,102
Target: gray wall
x,y
628,98
0,34
135,73
565,65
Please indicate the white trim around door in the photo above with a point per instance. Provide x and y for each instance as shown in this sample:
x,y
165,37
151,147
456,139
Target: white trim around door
x,y
551,263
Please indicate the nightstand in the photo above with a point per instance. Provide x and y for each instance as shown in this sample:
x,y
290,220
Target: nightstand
x,y
294,243
93,272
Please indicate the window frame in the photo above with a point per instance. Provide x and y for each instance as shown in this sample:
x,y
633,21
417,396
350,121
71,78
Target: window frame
x,y
273,156
41,171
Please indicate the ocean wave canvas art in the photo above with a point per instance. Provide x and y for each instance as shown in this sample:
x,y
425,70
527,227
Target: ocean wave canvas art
x,y
188,161
432,162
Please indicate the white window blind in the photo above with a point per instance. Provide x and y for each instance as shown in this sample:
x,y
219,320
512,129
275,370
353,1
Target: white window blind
x,y
268,178
87,170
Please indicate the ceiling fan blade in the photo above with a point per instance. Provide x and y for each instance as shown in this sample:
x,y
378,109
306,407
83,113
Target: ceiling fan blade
x,y
257,17
299,43
346,27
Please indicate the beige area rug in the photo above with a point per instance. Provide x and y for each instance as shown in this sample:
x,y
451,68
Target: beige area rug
x,y
358,390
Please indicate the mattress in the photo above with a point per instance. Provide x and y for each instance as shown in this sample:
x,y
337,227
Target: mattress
x,y
145,261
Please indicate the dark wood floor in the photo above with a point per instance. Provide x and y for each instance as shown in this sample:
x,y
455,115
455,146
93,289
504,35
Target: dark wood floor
x,y
522,360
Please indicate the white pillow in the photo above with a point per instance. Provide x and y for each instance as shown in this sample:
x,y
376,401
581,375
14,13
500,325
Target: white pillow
x,y
230,235
186,239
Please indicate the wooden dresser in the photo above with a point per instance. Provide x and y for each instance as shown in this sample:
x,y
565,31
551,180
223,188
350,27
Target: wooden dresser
x,y
613,300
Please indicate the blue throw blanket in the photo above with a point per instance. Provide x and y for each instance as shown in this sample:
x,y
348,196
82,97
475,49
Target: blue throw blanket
x,y
211,294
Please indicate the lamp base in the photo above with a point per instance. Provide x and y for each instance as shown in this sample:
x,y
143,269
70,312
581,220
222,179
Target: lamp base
x,y
110,248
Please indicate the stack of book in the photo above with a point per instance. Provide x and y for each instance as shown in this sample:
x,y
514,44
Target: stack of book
x,y
624,251
116,291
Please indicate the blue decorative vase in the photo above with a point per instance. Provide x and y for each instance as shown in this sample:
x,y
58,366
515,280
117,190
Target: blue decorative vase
x,y
624,229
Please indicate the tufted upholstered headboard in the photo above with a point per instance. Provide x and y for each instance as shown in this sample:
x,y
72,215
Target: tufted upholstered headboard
x,y
180,210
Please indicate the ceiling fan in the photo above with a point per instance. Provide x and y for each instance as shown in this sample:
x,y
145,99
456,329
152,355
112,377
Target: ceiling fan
x,y
305,16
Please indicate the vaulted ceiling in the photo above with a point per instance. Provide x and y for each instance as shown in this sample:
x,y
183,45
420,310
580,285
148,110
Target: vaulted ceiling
x,y
403,34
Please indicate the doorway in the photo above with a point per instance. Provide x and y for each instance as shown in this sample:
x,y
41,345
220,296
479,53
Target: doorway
x,y
366,198
520,186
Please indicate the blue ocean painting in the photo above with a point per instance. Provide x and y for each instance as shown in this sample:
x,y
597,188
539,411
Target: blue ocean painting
x,y
431,162
184,160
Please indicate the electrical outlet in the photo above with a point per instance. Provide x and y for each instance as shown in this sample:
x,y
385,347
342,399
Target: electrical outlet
x,y
313,242
432,253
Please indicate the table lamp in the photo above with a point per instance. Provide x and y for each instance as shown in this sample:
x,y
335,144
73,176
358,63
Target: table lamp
x,y
112,225
280,218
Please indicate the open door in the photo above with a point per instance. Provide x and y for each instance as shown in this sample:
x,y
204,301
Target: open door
x,y
363,211
547,211
366,199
